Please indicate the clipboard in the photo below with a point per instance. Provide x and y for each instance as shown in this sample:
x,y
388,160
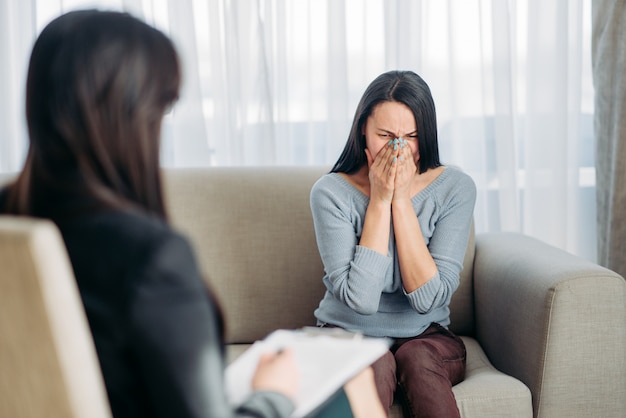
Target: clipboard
x,y
326,358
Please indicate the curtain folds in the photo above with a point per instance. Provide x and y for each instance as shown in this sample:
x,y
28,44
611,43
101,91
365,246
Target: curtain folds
x,y
276,82
17,32
609,63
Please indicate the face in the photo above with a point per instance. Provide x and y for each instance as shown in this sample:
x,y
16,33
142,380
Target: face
x,y
390,120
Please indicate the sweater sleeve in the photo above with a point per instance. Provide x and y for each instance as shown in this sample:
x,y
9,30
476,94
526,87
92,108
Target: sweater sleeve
x,y
447,247
354,274
177,343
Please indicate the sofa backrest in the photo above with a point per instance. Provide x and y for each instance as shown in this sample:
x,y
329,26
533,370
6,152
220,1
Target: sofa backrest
x,y
252,231
6,178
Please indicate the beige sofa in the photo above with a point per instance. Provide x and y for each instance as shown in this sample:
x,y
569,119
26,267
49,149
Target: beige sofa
x,y
545,330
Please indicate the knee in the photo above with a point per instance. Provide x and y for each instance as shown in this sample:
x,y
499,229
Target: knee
x,y
418,356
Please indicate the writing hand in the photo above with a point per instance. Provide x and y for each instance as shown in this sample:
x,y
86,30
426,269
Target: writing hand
x,y
277,372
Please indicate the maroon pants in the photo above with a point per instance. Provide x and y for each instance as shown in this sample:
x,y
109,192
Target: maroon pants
x,y
424,368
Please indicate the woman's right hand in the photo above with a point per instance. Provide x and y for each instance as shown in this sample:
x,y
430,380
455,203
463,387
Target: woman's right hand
x,y
277,372
382,173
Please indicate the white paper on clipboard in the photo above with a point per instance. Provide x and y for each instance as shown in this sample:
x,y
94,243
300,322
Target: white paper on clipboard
x,y
326,359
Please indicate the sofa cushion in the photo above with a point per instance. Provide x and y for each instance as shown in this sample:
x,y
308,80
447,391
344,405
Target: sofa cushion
x,y
484,390
253,235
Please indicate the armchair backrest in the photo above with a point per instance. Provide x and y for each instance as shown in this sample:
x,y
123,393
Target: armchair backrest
x,y
48,362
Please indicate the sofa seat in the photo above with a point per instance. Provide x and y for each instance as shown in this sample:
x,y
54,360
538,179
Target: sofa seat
x,y
505,393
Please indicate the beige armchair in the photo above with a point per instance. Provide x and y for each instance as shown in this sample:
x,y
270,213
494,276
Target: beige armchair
x,y
48,364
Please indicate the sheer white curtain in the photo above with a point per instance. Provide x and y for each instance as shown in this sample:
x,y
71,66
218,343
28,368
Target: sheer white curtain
x,y
276,82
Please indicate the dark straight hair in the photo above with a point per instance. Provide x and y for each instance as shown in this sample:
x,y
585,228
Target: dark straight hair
x,y
98,86
404,87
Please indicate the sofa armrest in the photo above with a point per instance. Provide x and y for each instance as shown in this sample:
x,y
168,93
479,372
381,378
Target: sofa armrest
x,y
554,321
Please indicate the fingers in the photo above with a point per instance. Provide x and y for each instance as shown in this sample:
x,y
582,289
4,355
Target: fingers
x,y
285,355
405,172
390,156
381,160
383,171
406,156
277,372
383,163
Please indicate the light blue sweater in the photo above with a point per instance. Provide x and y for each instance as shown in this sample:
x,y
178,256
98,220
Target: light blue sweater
x,y
364,288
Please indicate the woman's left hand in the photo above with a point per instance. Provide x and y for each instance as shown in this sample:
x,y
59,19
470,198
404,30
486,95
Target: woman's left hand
x,y
405,173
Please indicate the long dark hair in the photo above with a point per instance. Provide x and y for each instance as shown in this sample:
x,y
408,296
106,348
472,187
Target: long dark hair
x,y
98,86
394,86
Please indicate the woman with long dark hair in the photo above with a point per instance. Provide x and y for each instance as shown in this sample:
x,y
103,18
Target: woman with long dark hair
x,y
98,86
392,225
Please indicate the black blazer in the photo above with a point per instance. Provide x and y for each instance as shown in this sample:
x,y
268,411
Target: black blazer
x,y
156,328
